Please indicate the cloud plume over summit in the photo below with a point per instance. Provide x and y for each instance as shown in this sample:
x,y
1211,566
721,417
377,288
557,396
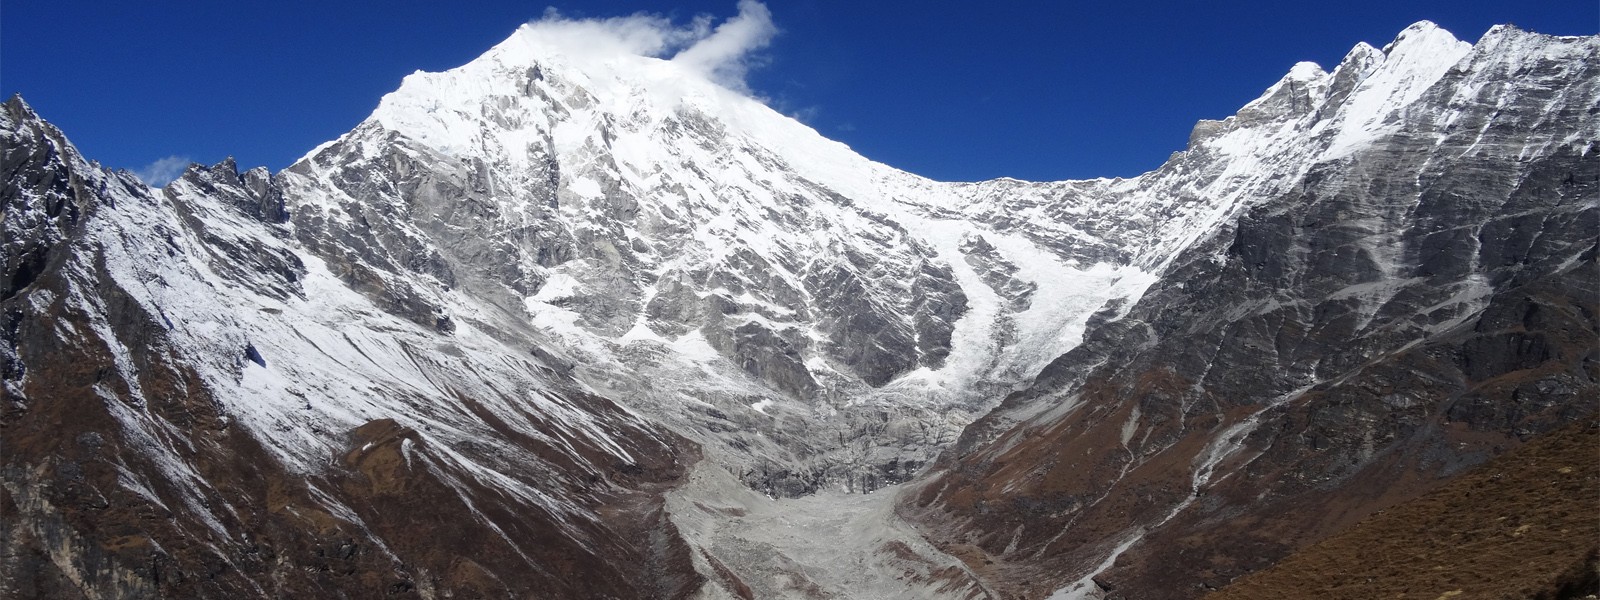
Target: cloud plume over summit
x,y
723,53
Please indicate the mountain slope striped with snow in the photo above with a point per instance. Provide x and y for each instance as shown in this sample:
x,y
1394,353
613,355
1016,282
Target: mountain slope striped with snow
x,y
575,320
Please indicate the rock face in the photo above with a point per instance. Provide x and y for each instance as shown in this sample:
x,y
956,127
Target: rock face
x,y
553,324
1421,298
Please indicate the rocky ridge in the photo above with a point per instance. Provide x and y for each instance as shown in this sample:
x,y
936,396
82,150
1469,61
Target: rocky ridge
x,y
1419,299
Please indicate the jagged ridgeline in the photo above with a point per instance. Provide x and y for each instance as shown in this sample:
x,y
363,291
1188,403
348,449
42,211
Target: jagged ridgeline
x,y
559,325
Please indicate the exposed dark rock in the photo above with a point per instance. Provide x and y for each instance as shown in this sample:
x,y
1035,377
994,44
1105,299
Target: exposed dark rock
x,y
998,273
1406,312
253,355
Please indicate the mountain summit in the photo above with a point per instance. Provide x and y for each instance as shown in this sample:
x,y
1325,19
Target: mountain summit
x,y
574,320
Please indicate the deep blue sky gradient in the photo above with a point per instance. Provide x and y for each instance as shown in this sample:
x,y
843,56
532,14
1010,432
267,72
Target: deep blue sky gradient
x,y
949,90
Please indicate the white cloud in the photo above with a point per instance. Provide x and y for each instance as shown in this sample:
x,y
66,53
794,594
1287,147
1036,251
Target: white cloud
x,y
722,54
643,34
162,171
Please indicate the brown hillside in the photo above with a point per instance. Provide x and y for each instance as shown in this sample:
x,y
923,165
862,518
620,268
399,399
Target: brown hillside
x,y
1526,525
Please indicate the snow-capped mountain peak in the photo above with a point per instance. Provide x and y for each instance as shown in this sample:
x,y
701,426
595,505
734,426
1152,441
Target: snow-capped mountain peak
x,y
653,208
616,328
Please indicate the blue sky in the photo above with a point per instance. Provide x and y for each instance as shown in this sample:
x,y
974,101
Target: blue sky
x,y
949,90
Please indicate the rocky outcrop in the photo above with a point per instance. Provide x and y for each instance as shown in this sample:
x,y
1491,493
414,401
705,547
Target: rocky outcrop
x,y
44,204
1421,299
998,273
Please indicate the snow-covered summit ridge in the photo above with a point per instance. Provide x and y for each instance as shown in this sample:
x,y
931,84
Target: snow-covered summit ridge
x,y
644,60
559,80
1412,63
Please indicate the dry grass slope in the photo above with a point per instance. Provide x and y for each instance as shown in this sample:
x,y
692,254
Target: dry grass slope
x,y
1526,525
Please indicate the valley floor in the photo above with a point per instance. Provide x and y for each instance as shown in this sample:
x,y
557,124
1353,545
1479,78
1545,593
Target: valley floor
x,y
830,544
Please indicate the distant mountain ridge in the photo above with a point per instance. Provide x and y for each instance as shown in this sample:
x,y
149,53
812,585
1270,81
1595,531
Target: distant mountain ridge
x,y
559,324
